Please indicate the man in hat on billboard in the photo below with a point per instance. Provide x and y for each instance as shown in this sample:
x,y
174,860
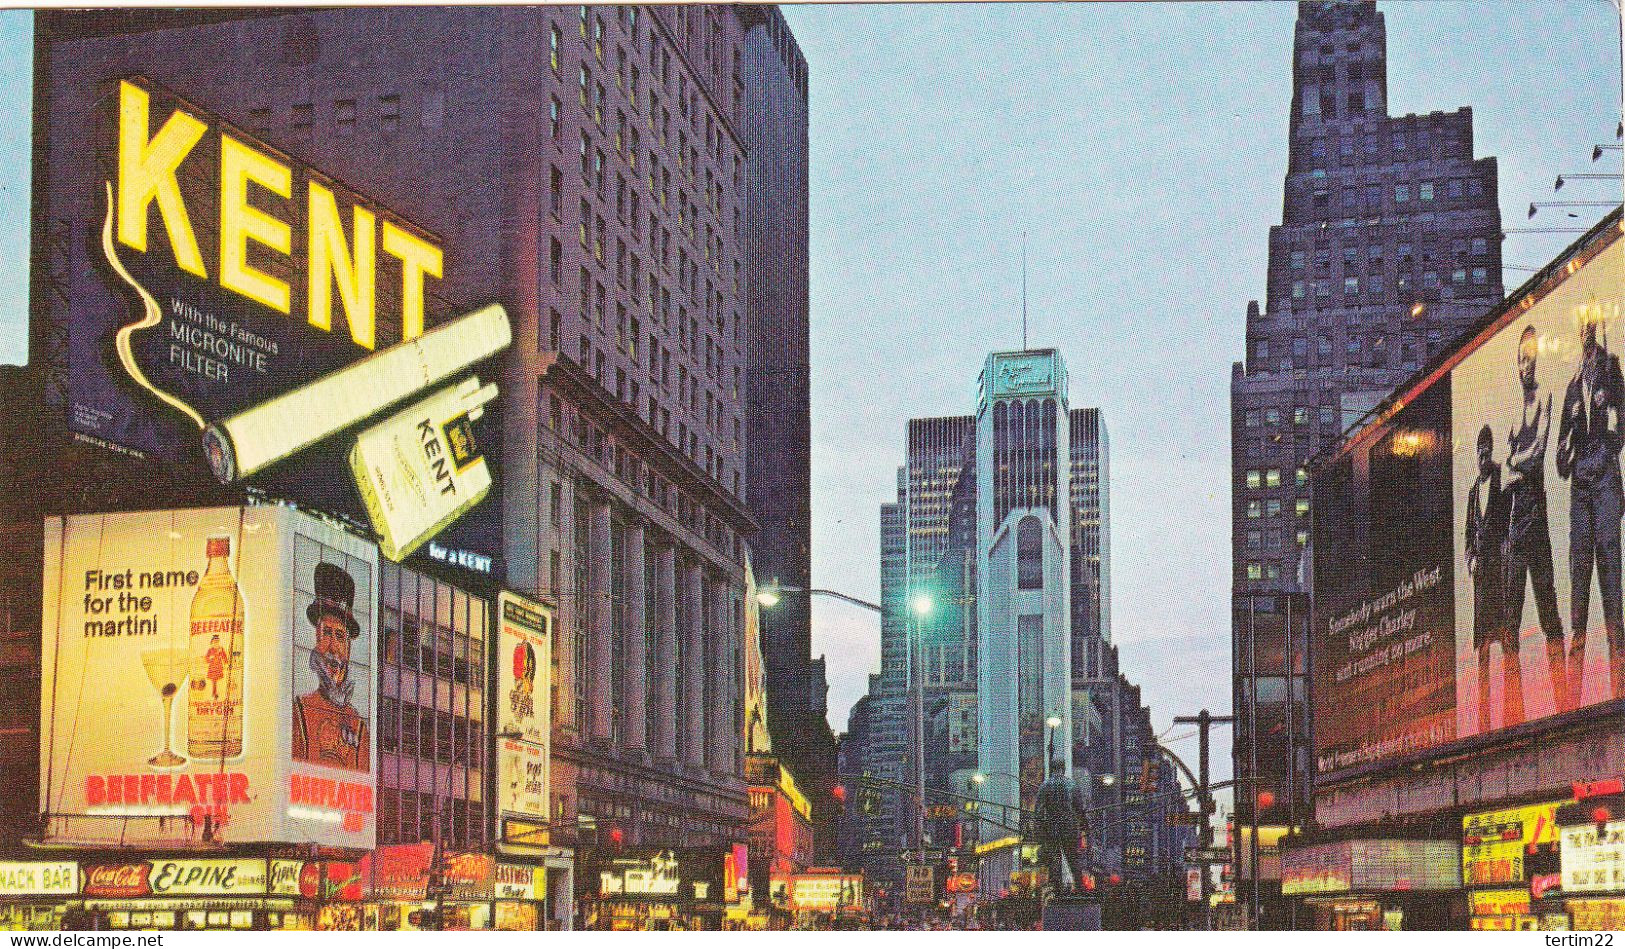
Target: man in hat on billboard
x,y
1589,436
327,729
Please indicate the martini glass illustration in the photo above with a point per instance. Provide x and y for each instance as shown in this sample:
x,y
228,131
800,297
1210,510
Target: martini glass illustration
x,y
165,669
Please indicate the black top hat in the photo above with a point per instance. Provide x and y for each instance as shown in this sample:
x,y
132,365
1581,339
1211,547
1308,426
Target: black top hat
x,y
335,594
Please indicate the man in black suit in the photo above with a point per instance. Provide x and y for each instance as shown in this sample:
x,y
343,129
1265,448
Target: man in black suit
x,y
1588,443
1488,515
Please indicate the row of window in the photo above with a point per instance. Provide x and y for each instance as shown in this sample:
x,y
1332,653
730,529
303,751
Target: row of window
x,y
1375,286
406,816
1271,507
1402,143
1301,415
1271,539
1271,478
418,732
576,429
1376,254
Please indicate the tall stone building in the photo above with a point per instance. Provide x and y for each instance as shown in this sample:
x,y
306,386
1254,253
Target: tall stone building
x,y
1388,247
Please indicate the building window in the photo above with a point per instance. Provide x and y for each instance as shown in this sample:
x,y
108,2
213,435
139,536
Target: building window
x,y
1253,478
1030,554
1425,191
1301,507
1255,509
1402,194
1272,478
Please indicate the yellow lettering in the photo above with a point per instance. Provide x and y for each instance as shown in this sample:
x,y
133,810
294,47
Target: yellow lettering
x,y
146,170
417,258
241,222
330,261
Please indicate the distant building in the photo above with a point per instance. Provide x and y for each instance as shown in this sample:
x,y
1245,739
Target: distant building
x,y
932,544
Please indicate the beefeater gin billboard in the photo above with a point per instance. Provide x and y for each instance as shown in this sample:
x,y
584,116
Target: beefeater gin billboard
x,y
208,678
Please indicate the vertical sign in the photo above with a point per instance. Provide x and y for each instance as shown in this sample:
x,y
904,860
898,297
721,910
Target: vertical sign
x,y
524,715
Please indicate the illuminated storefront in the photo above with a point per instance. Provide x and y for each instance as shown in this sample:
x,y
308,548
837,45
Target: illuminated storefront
x,y
1509,863
33,893
664,889
1592,852
1372,884
191,893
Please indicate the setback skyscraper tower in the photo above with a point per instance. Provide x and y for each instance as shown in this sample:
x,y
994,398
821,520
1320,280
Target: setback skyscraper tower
x,y
1388,247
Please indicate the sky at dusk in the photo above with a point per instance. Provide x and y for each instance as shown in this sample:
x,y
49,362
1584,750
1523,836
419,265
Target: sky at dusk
x,y
1142,148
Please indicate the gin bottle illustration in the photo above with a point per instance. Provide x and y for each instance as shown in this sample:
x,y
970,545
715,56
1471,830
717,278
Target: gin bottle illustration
x,y
214,710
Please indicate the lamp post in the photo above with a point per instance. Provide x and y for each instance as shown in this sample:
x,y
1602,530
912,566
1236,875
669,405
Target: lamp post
x,y
920,605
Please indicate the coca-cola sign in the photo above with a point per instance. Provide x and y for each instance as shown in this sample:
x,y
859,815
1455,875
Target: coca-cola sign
x,y
118,879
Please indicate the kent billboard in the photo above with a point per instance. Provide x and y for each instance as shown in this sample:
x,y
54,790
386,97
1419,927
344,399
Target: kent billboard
x,y
236,314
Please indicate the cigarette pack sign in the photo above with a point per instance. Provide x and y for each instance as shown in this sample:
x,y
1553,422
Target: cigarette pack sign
x,y
209,678
419,470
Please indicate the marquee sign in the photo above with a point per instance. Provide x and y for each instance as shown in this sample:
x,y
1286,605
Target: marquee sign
x,y
238,877
1594,857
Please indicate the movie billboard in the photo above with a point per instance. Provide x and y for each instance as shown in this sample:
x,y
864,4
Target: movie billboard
x,y
230,310
1467,547
524,706
208,679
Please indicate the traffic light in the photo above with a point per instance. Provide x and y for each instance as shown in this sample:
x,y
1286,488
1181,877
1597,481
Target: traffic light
x,y
616,837
1266,799
838,792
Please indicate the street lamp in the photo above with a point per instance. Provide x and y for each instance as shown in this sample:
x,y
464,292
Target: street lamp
x,y
920,605
1054,722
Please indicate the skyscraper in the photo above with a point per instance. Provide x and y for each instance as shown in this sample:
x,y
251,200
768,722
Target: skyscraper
x,y
778,470
1388,247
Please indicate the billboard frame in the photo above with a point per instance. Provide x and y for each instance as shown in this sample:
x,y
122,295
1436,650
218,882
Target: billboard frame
x,y
1372,427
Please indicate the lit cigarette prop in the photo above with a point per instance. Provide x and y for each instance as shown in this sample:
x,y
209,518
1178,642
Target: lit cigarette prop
x,y
419,469
257,438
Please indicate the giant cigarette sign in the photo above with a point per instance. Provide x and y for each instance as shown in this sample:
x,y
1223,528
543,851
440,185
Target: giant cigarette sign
x,y
244,311
207,678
